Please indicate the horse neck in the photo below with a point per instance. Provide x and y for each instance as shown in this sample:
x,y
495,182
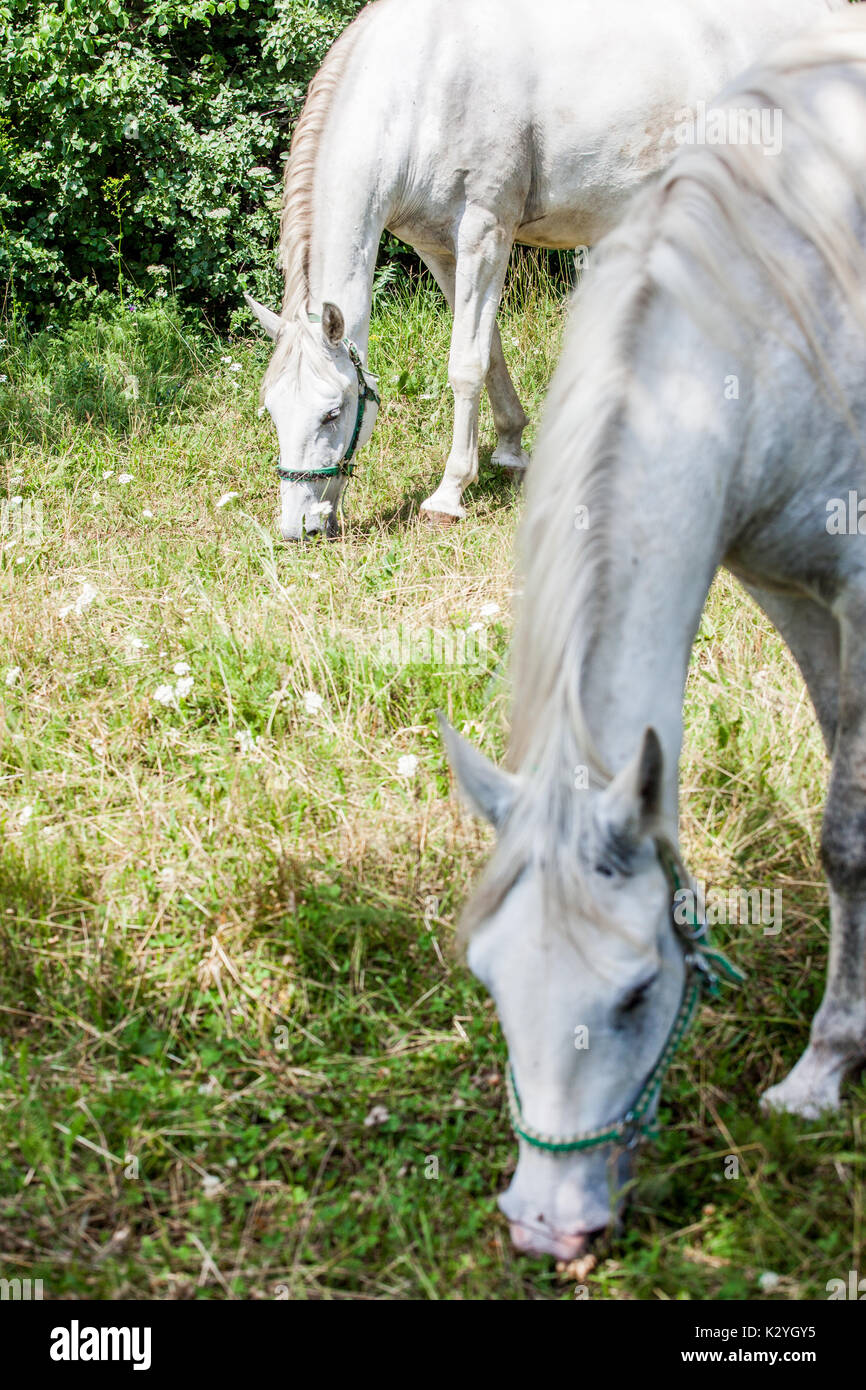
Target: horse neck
x,y
665,534
351,202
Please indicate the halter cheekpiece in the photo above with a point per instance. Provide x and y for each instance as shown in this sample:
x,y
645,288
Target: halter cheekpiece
x,y
706,967
366,392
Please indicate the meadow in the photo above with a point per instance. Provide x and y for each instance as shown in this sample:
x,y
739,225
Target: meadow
x,y
240,1058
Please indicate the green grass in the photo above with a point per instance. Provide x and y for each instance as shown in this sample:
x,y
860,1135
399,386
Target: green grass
x,y
234,1034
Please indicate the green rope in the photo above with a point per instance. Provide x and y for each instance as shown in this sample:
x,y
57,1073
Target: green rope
x,y
345,468
705,967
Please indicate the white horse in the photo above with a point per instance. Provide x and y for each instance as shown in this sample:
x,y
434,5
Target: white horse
x,y
464,126
709,408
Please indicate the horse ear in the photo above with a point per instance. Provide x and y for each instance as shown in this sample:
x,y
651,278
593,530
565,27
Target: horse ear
x,y
271,322
489,790
333,324
630,806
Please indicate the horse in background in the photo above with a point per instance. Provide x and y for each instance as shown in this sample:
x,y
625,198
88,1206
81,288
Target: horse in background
x,y
463,126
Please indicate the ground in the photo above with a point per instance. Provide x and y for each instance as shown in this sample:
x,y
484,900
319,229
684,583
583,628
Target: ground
x,y
239,1055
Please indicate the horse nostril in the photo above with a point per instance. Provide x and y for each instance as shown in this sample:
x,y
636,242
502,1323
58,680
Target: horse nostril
x,y
540,1218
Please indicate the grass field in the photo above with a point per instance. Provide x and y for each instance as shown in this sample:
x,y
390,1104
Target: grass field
x,y
234,1033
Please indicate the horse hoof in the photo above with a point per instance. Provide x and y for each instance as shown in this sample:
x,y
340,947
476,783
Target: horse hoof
x,y
440,519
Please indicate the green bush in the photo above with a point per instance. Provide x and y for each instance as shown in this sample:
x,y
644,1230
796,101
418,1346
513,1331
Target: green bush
x,y
149,134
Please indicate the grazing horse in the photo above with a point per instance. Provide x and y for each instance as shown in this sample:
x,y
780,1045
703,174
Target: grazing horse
x,y
709,409
463,126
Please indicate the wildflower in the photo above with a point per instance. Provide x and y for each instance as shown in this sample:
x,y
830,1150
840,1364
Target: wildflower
x,y
84,600
183,687
407,766
13,676
489,610
182,668
236,367
25,815
147,513
377,1116
312,702
247,742
164,695
125,478
225,499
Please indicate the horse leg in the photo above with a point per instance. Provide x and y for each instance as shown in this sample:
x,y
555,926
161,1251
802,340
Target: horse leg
x,y
483,247
812,634
838,1035
509,416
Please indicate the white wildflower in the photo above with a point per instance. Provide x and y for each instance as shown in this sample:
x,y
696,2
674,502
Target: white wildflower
x,y
312,702
182,668
164,695
183,687
489,610
147,513
84,600
407,766
247,742
377,1116
225,499
13,676
25,815
125,478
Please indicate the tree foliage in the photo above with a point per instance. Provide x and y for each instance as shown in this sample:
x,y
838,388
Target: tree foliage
x,y
149,133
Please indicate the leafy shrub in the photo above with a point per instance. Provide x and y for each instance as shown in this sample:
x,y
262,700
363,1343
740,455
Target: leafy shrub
x,y
149,133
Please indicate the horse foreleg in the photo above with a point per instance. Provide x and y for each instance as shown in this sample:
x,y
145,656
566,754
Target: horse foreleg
x,y
509,416
837,1040
483,246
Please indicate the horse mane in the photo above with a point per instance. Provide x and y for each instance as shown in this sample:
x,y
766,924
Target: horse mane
x,y
296,218
677,238
298,182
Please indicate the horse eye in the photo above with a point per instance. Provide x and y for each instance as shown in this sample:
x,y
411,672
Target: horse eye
x,y
332,415
605,870
637,996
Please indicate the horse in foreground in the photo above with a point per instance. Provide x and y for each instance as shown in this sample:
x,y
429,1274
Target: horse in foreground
x,y
709,409
463,126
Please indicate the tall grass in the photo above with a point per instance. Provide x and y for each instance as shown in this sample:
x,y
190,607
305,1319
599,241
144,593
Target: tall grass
x,y
234,1035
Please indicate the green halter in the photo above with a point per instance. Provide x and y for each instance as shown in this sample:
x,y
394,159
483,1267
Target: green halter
x,y
705,968
345,468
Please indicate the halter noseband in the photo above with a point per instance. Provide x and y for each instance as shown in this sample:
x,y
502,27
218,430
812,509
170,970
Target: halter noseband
x,y
345,468
705,968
